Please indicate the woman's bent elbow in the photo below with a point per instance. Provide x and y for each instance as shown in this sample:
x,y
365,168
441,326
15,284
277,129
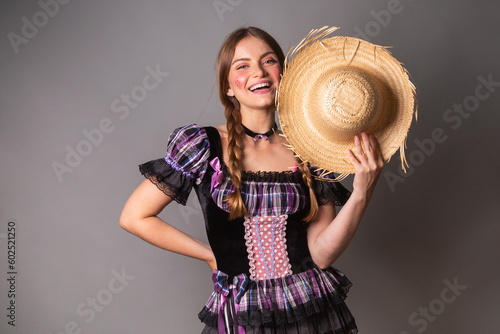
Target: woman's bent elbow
x,y
323,265
126,222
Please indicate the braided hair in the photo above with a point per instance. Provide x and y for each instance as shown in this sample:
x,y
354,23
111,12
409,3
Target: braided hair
x,y
234,120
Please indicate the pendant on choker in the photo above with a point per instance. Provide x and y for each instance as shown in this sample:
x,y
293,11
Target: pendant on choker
x,y
256,136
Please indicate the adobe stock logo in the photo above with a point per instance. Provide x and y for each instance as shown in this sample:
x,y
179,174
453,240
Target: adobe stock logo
x,y
454,117
225,6
40,19
88,310
382,19
122,108
436,307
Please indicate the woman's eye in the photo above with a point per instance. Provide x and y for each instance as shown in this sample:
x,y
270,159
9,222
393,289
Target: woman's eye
x,y
270,61
241,67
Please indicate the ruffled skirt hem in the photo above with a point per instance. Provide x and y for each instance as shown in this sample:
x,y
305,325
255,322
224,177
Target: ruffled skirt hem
x,y
304,303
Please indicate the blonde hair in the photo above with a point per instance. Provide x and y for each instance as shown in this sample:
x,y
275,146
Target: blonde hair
x,y
307,178
234,123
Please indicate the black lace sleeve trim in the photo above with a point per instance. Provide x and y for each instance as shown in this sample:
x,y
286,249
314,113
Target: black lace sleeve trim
x,y
173,183
328,191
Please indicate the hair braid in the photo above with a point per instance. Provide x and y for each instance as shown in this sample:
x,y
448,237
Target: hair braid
x,y
235,159
232,110
307,178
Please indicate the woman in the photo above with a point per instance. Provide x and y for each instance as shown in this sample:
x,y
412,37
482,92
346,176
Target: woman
x,y
273,231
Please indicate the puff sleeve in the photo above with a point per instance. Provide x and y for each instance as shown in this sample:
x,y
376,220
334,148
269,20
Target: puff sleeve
x,y
327,191
184,165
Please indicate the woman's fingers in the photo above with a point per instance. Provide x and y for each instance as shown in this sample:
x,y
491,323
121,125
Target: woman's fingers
x,y
356,160
367,152
367,145
352,158
359,147
368,162
377,154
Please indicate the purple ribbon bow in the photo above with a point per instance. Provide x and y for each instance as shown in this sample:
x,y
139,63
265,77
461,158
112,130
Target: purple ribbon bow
x,y
226,290
217,177
259,136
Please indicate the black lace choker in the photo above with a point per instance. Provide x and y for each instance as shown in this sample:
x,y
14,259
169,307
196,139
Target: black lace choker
x,y
256,136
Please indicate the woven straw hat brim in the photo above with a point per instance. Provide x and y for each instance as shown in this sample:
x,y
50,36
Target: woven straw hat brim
x,y
334,88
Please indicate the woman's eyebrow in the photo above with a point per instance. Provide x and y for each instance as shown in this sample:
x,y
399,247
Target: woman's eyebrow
x,y
240,59
248,59
267,54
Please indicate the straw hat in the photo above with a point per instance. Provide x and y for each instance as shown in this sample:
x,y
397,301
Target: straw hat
x,y
334,88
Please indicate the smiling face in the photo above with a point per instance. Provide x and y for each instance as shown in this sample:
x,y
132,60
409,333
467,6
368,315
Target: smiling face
x,y
254,75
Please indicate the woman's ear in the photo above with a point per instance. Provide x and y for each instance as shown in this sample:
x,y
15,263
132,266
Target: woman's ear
x,y
230,92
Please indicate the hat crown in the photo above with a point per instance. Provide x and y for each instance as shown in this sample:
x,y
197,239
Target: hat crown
x,y
349,99
344,102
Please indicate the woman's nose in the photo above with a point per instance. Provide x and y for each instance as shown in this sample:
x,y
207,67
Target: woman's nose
x,y
259,71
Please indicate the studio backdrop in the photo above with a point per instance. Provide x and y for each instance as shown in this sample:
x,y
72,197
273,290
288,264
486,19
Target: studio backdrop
x,y
91,89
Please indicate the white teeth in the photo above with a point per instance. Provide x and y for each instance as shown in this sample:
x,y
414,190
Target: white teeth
x,y
264,84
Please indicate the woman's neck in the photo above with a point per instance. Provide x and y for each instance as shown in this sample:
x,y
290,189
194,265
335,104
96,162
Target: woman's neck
x,y
258,121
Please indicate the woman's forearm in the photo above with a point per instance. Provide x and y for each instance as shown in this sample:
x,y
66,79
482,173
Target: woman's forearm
x,y
332,235
139,217
163,235
338,234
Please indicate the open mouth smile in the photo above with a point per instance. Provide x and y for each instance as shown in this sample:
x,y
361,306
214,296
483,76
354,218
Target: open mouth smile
x,y
259,86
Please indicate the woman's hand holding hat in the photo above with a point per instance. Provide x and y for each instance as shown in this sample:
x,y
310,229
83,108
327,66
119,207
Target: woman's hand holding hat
x,y
368,163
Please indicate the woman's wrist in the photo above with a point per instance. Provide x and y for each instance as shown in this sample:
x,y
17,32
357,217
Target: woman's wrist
x,y
212,263
360,197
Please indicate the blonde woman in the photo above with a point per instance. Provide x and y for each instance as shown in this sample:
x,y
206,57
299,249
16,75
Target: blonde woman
x,y
271,224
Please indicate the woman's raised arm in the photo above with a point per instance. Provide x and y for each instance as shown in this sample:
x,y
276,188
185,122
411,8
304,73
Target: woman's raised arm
x,y
329,234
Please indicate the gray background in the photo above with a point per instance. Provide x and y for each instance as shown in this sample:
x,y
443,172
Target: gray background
x,y
436,224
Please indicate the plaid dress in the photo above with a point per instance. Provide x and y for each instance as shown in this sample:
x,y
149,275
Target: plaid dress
x,y
266,281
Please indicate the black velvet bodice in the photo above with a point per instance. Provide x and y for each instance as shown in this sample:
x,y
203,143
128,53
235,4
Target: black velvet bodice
x,y
227,237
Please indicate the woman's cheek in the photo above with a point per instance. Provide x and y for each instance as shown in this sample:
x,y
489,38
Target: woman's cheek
x,y
238,82
278,72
